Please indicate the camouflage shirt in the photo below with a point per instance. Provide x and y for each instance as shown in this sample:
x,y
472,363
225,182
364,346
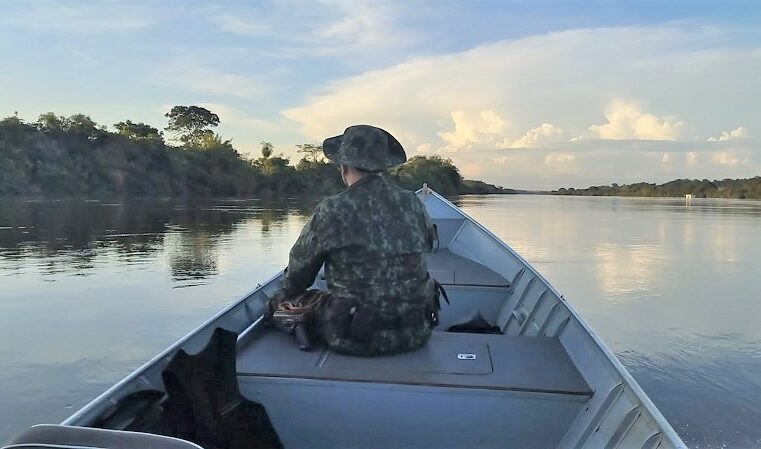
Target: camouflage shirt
x,y
372,238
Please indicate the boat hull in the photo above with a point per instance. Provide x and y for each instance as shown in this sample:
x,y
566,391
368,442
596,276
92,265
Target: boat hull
x,y
547,380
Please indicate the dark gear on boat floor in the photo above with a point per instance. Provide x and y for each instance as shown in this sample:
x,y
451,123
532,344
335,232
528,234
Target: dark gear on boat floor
x,y
205,404
202,403
347,327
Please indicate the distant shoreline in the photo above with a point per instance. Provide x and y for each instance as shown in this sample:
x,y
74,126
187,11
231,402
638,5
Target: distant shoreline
x,y
305,198
743,188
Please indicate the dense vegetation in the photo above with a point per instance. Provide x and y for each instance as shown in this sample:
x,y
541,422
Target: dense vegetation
x,y
73,156
727,188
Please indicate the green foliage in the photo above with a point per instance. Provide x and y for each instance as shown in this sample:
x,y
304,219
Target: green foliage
x,y
312,152
73,156
137,130
50,122
727,188
191,123
440,174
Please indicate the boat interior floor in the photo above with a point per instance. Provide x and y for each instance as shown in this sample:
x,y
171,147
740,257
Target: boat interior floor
x,y
459,390
493,362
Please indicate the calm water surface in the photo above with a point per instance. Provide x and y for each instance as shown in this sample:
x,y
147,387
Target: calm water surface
x,y
90,290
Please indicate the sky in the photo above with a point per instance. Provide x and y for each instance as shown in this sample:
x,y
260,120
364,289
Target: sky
x,y
524,94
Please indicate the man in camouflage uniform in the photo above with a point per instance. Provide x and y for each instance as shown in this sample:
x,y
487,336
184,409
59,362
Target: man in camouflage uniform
x,y
372,238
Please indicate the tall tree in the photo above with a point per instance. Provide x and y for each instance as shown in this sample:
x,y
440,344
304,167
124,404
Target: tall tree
x,y
191,123
312,152
137,130
51,123
83,126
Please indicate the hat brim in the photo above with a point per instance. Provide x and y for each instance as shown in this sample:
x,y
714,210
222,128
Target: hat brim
x,y
396,155
330,148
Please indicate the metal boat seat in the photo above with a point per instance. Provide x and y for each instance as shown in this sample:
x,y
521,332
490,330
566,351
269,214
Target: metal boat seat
x,y
447,229
452,269
494,362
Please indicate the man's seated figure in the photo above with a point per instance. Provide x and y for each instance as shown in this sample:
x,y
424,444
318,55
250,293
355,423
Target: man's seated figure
x,y
372,238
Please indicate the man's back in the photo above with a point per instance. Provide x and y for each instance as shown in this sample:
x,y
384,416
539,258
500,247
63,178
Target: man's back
x,y
372,238
378,235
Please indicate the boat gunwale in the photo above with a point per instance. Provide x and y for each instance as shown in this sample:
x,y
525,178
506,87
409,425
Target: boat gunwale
x,y
170,350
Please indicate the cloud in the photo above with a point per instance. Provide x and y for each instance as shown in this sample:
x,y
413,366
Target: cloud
x,y
691,158
488,129
725,158
489,96
482,128
56,16
188,76
319,29
363,24
559,158
229,115
737,133
627,121
541,134
237,24
666,158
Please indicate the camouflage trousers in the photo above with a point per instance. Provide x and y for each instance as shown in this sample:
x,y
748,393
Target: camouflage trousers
x,y
334,320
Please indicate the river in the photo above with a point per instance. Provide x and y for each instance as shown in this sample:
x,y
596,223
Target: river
x,y
91,290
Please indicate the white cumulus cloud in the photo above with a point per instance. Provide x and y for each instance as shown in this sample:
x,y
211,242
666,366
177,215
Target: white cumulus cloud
x,y
627,121
559,158
737,133
474,128
725,158
546,132
661,90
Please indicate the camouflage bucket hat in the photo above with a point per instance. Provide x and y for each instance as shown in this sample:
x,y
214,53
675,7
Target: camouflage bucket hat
x,y
365,147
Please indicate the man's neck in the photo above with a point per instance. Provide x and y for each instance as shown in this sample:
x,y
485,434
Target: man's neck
x,y
355,177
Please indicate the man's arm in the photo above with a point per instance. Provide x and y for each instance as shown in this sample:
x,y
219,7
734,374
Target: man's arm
x,y
306,257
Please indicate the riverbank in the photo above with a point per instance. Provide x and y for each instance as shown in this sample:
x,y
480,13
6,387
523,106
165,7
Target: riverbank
x,y
748,188
62,157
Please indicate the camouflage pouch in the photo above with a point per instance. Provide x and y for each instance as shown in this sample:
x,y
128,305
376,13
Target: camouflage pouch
x,y
341,316
363,325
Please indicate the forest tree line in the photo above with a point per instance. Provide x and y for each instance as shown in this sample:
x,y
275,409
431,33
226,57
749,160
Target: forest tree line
x,y
56,157
726,188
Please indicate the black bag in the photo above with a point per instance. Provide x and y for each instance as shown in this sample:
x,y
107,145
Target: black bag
x,y
205,405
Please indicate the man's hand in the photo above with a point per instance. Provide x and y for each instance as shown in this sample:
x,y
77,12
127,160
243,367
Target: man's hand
x,y
273,302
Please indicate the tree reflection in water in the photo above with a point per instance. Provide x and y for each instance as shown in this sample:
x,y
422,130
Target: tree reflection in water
x,y
76,237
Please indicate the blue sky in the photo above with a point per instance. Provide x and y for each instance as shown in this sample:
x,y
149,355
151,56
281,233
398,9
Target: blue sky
x,y
526,94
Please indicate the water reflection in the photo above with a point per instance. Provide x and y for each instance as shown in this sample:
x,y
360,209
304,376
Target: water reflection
x,y
672,290
69,236
628,272
91,290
